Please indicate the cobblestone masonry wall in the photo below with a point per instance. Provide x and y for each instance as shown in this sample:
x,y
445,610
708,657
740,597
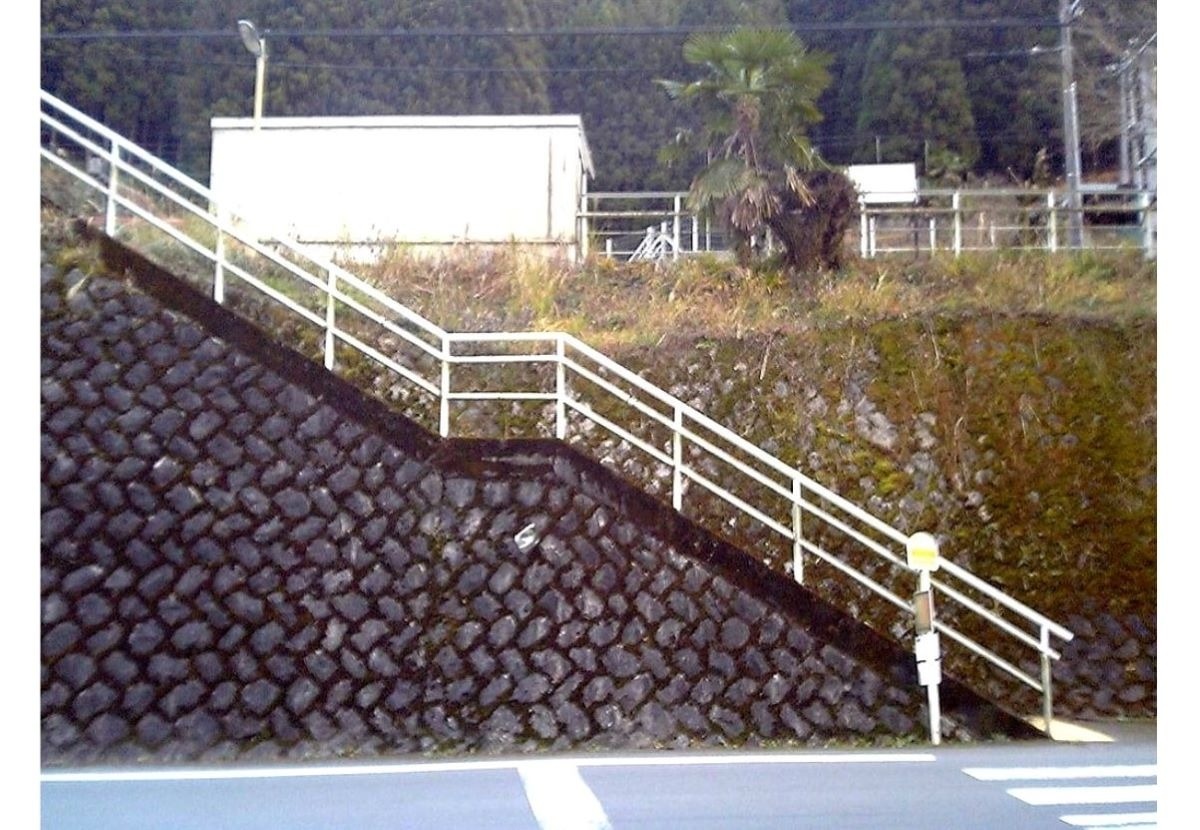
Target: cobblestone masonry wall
x,y
243,557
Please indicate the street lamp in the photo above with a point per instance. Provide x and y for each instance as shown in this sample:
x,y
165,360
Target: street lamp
x,y
257,45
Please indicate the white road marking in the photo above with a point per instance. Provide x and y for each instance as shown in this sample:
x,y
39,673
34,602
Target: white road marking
x,y
1122,820
1060,795
1086,795
1060,773
719,760
332,770
559,798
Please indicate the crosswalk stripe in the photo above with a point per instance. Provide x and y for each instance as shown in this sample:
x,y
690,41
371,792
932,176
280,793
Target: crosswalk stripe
x,y
1122,820
1061,773
1086,795
559,798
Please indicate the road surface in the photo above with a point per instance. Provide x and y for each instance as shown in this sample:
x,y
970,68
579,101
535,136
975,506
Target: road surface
x,y
1026,785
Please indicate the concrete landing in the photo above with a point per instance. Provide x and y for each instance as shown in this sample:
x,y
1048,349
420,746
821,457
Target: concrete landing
x,y
1096,731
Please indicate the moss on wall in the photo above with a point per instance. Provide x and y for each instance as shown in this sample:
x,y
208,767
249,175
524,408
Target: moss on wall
x,y
1028,444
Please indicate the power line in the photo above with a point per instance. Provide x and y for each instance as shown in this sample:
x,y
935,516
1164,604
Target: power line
x,y
586,31
426,69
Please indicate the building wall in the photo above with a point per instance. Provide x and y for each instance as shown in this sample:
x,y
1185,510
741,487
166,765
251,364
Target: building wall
x,y
426,182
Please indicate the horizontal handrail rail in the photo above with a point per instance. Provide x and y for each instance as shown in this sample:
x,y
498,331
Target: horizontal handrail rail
x,y
719,491
116,139
573,360
659,455
1016,605
374,317
227,227
857,576
1086,190
1029,219
386,361
586,411
995,619
991,657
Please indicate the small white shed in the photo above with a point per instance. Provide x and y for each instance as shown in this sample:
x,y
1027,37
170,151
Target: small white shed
x,y
357,184
885,184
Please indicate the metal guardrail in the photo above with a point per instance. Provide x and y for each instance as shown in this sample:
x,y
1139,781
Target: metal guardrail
x,y
940,221
141,195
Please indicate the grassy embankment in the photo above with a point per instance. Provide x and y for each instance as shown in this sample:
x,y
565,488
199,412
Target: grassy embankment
x,y
1007,402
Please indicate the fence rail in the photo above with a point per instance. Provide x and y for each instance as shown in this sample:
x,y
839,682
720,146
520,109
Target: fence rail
x,y
658,225
147,204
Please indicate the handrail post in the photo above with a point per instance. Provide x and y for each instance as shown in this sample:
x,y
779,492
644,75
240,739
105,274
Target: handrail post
x,y
675,237
862,229
560,382
444,398
330,321
219,273
110,209
1148,220
1047,680
584,229
957,205
797,535
677,459
1053,222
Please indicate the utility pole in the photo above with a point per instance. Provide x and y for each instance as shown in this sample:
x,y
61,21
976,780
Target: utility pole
x,y
1147,118
1127,118
1067,10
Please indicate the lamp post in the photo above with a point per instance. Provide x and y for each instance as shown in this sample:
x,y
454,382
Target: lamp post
x,y
256,43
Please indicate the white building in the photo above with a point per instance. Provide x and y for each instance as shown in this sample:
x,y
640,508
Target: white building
x,y
356,184
885,184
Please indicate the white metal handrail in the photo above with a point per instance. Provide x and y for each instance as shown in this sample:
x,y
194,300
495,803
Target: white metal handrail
x,y
576,365
940,220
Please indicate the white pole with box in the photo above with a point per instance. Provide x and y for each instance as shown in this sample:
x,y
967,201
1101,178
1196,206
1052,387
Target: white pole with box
x,y
922,551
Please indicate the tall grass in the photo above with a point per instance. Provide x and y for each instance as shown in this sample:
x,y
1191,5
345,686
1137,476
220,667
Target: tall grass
x,y
611,302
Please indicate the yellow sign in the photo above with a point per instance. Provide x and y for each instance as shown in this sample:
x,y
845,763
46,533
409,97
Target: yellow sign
x,y
922,552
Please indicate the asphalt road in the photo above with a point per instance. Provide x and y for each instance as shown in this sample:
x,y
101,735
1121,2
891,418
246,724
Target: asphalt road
x,y
1027,785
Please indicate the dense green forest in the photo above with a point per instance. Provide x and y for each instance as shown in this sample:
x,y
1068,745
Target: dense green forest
x,y
954,85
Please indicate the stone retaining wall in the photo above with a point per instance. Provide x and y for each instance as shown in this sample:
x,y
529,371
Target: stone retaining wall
x,y
244,557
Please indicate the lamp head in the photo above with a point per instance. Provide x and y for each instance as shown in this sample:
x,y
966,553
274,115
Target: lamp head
x,y
252,40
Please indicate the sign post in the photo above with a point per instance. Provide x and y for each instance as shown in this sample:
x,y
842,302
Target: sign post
x,y
922,551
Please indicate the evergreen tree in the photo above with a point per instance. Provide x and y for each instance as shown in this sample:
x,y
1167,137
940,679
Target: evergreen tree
x,y
836,134
125,84
914,95
976,93
1014,91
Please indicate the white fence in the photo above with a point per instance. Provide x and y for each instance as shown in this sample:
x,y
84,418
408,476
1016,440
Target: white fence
x,y
939,222
149,205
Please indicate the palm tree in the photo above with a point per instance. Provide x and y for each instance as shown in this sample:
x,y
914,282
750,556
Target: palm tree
x,y
756,98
